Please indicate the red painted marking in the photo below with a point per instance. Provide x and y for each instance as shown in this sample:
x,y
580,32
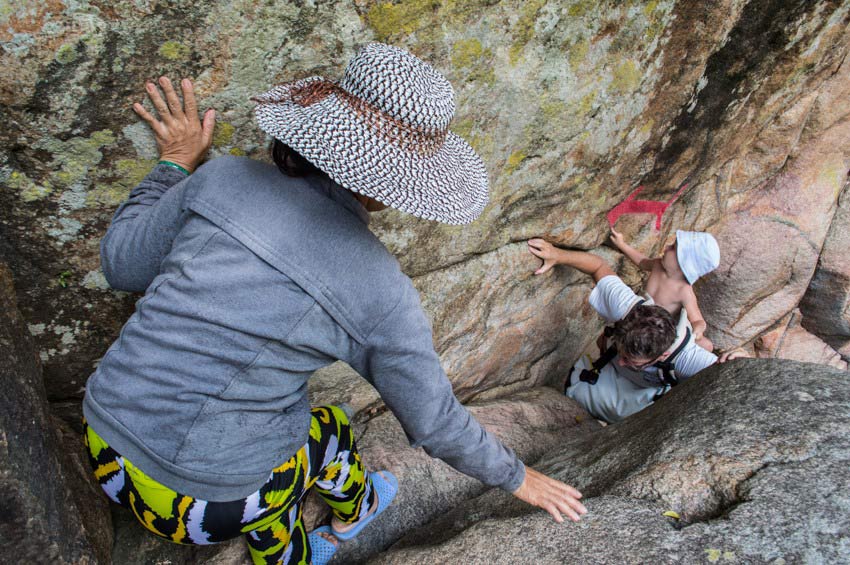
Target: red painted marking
x,y
632,206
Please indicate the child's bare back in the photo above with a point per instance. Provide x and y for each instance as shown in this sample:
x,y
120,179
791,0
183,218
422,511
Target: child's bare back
x,y
670,276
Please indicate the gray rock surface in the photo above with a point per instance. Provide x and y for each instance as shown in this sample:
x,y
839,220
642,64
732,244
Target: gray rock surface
x,y
790,340
826,305
40,521
572,104
532,423
752,456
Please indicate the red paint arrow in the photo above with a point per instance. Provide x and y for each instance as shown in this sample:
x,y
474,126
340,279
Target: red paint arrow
x,y
632,206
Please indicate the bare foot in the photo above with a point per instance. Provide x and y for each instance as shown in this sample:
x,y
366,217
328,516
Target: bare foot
x,y
338,525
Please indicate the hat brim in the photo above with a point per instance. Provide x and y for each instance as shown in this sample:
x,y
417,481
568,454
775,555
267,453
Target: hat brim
x,y
450,185
684,243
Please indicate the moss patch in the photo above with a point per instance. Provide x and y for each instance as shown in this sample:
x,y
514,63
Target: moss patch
x,y
514,161
552,109
650,7
580,8
466,52
470,56
586,104
66,54
626,78
128,174
523,30
387,19
76,156
463,127
222,134
29,190
578,53
174,51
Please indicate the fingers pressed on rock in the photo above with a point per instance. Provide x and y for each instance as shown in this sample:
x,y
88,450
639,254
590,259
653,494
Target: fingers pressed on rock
x,y
148,118
551,509
208,126
174,105
572,491
158,103
189,102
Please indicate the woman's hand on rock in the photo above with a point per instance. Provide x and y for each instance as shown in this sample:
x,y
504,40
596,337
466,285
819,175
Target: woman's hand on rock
x,y
733,354
551,495
182,138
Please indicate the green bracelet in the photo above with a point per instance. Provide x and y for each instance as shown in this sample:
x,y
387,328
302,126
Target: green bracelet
x,y
175,165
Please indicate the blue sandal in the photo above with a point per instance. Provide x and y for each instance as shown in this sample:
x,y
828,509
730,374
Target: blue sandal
x,y
321,549
386,487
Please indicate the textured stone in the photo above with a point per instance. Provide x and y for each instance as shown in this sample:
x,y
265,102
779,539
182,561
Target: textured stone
x,y
340,385
571,105
726,451
758,281
40,521
533,423
789,340
826,304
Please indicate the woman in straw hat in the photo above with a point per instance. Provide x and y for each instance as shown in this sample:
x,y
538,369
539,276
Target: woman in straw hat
x,y
197,416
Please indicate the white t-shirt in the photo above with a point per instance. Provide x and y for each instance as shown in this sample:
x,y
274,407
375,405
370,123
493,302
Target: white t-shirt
x,y
613,299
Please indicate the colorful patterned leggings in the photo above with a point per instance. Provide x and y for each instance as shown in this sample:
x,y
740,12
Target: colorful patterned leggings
x,y
270,518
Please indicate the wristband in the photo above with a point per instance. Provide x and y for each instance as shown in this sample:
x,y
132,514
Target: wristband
x,y
174,165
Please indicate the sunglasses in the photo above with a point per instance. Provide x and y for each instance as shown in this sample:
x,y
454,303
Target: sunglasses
x,y
636,366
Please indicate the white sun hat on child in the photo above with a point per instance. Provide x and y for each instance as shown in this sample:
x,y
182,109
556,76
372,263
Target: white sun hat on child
x,y
382,131
697,252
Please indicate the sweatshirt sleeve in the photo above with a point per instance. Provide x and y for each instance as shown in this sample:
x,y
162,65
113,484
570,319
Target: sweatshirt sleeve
x,y
402,365
143,229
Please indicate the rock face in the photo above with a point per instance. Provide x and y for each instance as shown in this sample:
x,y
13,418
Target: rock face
x,y
40,521
827,301
789,340
533,423
572,105
751,455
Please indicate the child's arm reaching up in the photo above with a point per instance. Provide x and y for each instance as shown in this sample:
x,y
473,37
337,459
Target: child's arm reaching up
x,y
636,257
694,315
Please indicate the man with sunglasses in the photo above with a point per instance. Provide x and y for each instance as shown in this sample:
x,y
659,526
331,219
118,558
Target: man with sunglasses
x,y
649,352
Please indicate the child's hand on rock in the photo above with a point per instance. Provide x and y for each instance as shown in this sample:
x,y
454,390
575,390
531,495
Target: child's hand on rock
x,y
617,238
546,251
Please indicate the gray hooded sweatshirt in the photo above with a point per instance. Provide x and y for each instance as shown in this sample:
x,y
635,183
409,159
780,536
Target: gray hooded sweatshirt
x,y
253,280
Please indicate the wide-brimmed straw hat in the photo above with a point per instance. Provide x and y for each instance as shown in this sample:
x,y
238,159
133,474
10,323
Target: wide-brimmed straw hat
x,y
382,131
697,252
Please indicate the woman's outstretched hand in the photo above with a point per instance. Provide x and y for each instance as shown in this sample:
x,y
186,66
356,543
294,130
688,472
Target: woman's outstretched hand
x,y
181,137
551,495
733,354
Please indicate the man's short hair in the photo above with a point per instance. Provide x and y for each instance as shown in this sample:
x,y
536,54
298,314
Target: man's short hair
x,y
645,333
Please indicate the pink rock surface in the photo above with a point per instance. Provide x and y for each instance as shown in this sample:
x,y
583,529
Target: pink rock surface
x,y
790,340
826,304
771,239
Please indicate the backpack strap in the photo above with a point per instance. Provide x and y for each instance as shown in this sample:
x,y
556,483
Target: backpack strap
x,y
590,376
667,367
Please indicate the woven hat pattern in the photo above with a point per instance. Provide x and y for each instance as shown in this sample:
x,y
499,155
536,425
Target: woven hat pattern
x,y
401,85
382,132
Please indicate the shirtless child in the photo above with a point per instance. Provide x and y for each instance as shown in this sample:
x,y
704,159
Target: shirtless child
x,y
690,256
